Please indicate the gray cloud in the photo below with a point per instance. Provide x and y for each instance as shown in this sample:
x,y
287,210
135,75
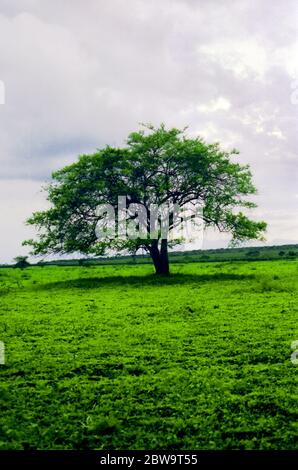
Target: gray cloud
x,y
81,75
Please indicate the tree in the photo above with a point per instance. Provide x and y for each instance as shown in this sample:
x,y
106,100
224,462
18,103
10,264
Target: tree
x,y
21,262
157,167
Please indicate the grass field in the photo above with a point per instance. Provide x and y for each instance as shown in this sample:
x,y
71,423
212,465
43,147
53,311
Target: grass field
x,y
111,357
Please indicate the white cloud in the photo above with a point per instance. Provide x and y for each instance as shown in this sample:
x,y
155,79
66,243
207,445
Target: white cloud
x,y
218,104
245,59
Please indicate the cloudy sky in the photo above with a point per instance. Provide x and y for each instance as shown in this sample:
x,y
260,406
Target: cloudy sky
x,y
81,74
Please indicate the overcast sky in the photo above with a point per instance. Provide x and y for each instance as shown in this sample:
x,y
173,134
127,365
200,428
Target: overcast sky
x,y
82,74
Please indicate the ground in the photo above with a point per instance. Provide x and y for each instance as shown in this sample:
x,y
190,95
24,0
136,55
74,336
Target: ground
x,y
112,357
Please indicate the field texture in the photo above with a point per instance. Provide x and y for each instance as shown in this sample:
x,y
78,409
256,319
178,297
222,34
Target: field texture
x,y
111,357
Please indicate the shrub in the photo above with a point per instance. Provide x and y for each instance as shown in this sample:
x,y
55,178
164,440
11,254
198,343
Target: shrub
x,y
21,262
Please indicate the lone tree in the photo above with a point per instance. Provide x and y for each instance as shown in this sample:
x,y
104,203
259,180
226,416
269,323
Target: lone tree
x,y
157,167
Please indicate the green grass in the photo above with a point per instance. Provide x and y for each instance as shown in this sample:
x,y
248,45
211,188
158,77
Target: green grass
x,y
112,357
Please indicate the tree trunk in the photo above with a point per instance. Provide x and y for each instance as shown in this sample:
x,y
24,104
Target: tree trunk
x,y
160,257
164,257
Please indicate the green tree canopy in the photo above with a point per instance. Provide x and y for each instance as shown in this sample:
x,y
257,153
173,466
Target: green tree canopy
x,y
156,166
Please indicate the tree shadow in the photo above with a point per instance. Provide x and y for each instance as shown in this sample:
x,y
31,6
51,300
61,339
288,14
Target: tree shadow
x,y
141,281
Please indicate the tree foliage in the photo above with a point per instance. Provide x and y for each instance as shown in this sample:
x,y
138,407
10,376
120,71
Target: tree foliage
x,y
156,166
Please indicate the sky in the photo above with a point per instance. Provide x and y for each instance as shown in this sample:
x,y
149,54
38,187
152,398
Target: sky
x,y
75,76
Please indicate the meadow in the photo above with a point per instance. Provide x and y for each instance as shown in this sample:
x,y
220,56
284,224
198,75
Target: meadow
x,y
113,357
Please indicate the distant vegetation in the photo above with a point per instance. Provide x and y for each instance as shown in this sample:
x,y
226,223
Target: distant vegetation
x,y
221,254
21,262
